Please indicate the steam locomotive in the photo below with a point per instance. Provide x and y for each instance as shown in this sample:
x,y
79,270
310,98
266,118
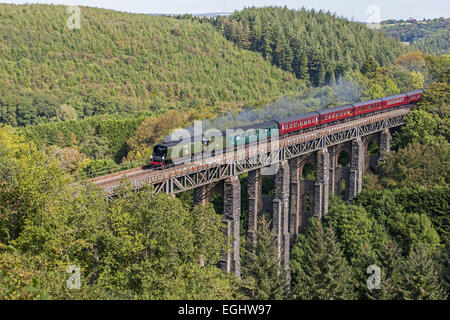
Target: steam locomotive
x,y
190,149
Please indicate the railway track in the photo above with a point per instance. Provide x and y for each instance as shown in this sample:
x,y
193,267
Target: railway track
x,y
108,182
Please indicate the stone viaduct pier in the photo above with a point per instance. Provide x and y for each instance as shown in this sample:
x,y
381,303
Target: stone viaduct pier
x,y
309,167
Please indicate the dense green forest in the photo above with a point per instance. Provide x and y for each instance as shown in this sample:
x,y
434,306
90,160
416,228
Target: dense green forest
x,y
315,46
125,247
73,101
86,117
122,63
429,36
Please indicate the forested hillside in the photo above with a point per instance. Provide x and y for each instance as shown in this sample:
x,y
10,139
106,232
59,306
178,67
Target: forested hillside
x,y
150,246
314,45
72,101
103,92
430,36
120,62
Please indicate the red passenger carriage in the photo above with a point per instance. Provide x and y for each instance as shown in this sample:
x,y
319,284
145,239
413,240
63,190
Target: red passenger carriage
x,y
298,122
394,101
413,96
335,114
370,106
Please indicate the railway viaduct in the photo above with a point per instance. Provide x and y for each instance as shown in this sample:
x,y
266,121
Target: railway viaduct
x,y
308,168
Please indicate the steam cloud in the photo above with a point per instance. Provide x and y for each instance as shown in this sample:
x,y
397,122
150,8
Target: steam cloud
x,y
344,92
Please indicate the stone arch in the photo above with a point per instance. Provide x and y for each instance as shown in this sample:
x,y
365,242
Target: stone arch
x,y
343,159
218,203
337,169
203,194
268,186
308,172
307,165
309,204
371,151
342,189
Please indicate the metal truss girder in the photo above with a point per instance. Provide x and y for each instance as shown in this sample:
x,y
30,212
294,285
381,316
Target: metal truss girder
x,y
183,179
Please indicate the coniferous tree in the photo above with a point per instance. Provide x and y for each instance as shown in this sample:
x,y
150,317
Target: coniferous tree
x,y
417,278
444,272
369,66
263,277
319,268
389,259
303,72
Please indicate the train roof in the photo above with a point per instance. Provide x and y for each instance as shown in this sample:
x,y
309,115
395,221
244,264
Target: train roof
x,y
260,125
363,103
338,108
171,143
394,97
298,117
414,92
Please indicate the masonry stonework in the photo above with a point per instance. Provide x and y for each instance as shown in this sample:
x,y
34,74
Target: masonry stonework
x,y
255,202
232,214
281,213
356,168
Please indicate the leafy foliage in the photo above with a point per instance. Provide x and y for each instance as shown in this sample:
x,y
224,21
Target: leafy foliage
x,y
416,164
433,202
430,36
313,45
262,275
319,268
138,246
122,63
417,278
